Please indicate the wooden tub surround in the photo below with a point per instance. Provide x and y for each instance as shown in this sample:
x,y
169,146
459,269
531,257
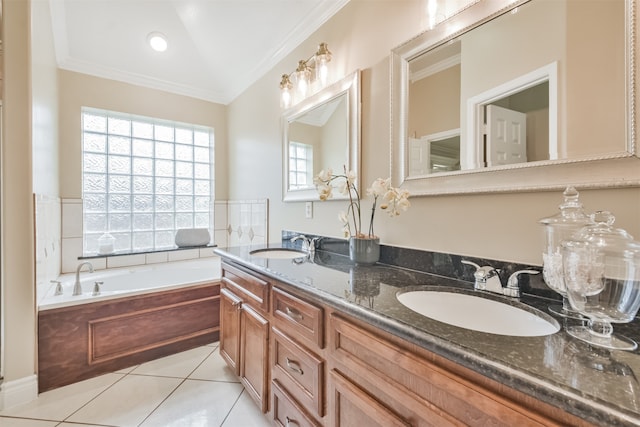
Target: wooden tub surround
x,y
83,341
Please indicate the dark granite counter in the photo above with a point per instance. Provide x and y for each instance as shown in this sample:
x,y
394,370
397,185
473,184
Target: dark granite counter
x,y
597,385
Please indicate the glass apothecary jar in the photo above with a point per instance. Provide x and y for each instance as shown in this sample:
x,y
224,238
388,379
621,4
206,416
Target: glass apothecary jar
x,y
557,229
602,276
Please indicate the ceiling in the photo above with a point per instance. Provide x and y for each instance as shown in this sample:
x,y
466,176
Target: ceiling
x,y
217,48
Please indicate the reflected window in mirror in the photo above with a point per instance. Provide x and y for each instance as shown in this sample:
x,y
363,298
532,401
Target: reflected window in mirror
x,y
300,165
320,133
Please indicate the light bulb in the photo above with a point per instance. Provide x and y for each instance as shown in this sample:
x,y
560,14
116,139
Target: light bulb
x,y
157,41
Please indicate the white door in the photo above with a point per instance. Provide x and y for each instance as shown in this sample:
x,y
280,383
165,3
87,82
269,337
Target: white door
x,y
419,153
506,136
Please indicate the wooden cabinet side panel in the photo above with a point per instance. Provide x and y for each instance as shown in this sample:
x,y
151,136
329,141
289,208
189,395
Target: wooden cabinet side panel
x,y
254,356
230,306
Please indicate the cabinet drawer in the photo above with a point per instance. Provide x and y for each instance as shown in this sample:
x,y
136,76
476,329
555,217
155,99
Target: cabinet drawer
x,y
429,389
298,318
250,288
285,412
299,371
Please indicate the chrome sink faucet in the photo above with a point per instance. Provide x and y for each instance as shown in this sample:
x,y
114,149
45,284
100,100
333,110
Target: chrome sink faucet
x,y
487,278
77,289
308,245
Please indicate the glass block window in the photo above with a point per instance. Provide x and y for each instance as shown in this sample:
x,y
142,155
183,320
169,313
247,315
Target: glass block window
x,y
300,165
143,179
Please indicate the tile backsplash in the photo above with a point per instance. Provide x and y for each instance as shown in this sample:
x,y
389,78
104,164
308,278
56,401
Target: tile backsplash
x,y
48,238
236,222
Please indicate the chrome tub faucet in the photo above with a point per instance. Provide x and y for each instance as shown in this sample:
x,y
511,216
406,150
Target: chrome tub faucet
x,y
77,288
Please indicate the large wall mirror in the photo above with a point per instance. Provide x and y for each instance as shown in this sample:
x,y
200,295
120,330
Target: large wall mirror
x,y
510,95
321,132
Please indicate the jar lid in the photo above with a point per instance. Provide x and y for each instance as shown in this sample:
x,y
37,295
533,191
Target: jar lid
x,y
571,210
602,235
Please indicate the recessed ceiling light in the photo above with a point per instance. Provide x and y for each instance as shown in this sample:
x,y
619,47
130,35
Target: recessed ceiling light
x,y
157,41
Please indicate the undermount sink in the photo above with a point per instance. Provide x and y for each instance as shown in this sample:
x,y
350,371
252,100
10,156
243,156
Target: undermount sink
x,y
478,313
278,253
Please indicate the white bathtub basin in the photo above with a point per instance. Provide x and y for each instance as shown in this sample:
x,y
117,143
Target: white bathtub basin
x,y
278,253
479,314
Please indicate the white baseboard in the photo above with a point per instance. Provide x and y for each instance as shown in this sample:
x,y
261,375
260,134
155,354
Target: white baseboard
x,y
18,392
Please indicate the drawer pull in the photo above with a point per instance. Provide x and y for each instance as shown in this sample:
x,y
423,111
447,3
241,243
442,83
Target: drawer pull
x,y
294,366
290,422
293,313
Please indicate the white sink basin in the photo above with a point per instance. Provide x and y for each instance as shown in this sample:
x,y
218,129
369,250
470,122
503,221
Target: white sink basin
x,y
277,253
478,313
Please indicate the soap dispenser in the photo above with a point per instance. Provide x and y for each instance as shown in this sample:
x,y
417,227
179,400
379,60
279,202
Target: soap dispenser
x,y
558,228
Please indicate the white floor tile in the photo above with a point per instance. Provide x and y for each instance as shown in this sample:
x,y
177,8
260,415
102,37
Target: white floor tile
x,y
196,404
128,402
78,425
58,404
178,365
246,413
214,368
22,422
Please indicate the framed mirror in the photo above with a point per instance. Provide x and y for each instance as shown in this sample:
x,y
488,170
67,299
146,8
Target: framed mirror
x,y
515,95
321,132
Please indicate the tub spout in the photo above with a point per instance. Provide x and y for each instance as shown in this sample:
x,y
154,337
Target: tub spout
x,y
77,289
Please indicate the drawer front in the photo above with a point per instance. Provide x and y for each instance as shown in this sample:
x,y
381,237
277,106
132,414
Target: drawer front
x,y
352,406
428,388
298,318
250,288
299,371
285,412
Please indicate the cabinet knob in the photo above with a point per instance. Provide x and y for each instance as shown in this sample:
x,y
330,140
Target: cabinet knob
x,y
294,366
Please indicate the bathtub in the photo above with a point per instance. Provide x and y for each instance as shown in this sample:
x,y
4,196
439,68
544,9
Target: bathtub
x,y
119,282
141,314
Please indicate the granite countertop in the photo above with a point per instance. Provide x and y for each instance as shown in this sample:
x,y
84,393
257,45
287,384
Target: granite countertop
x,y
598,385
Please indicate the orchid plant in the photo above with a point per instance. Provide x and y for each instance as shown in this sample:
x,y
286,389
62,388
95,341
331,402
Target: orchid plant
x,y
392,200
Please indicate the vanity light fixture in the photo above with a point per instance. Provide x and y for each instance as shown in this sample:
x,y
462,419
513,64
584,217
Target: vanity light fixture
x,y
157,41
310,76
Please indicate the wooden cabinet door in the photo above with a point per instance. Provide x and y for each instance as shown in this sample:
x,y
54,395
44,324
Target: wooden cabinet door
x,y
254,355
352,406
230,306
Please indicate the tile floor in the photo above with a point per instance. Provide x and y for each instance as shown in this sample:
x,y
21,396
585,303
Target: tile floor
x,y
190,389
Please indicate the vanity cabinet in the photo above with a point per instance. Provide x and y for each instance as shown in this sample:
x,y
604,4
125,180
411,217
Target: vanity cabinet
x,y
244,337
326,368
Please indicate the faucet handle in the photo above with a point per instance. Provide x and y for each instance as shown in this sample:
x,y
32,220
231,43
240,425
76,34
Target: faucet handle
x,y
58,290
481,274
513,287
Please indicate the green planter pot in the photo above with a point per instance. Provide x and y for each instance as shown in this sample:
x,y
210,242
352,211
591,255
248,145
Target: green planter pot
x,y
364,251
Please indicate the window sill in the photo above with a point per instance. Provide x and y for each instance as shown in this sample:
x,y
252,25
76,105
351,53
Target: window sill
x,y
125,253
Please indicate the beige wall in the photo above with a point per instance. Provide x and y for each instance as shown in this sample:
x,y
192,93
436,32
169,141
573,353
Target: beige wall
x,y
78,90
18,298
498,226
